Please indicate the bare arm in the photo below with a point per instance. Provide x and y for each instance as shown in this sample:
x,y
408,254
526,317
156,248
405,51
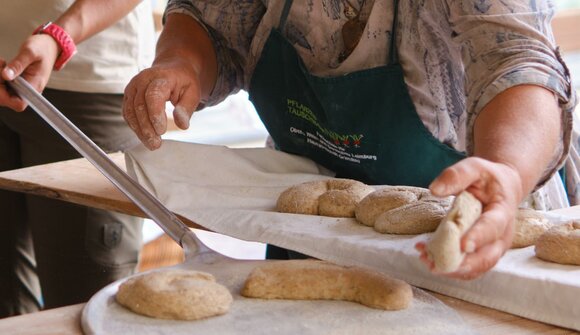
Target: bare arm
x,y
520,128
516,136
182,37
85,18
184,72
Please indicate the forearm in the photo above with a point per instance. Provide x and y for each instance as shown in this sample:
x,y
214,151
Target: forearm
x,y
184,39
85,18
520,127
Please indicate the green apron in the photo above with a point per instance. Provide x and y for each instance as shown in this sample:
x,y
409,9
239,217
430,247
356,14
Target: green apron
x,y
362,125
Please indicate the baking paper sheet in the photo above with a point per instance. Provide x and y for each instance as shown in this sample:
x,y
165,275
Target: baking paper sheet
x,y
234,191
425,316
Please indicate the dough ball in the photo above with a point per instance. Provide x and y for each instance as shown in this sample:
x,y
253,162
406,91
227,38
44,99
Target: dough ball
x,y
528,227
334,197
175,294
309,279
560,244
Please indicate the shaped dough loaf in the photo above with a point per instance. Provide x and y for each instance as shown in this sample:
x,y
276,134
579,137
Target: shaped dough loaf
x,y
334,197
402,210
319,280
528,227
560,244
174,294
444,247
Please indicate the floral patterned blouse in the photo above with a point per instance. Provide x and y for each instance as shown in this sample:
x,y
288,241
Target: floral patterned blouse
x,y
457,55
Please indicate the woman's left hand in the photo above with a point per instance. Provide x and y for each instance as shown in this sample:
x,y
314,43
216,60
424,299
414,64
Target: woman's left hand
x,y
498,186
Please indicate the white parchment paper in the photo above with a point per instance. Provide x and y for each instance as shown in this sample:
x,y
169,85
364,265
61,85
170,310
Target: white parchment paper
x,y
425,316
234,191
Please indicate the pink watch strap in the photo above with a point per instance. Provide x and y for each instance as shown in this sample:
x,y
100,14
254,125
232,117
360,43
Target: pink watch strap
x,y
65,42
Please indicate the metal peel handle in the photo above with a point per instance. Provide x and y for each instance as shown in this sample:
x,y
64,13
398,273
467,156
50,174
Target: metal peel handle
x,y
174,227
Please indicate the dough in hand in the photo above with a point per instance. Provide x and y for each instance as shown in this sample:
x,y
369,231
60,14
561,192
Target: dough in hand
x,y
528,227
444,247
402,210
309,279
333,197
175,294
560,244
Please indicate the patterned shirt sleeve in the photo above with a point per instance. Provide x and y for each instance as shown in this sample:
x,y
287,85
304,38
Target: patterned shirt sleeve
x,y
232,25
505,44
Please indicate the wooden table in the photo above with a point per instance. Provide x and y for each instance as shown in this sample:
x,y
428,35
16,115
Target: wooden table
x,y
77,181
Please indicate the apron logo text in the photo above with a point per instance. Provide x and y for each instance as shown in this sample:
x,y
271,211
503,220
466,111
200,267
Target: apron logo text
x,y
303,112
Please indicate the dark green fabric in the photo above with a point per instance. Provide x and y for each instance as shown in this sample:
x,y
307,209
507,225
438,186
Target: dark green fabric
x,y
362,125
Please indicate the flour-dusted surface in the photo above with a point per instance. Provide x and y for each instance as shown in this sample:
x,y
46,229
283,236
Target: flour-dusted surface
x,y
234,192
425,316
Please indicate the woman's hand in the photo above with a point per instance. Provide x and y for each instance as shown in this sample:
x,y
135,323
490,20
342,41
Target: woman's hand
x,y
498,187
34,63
173,80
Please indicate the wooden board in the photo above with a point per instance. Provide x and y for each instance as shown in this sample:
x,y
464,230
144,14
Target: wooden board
x,y
66,321
76,181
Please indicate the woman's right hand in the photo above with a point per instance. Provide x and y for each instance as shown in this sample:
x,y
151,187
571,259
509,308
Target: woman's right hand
x,y
175,80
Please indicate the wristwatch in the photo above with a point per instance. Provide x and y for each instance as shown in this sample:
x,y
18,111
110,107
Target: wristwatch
x,y
65,42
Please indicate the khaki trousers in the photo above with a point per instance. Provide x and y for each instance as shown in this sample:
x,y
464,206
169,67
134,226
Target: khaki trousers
x,y
54,253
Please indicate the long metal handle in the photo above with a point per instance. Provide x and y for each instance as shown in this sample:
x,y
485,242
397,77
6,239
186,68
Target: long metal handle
x,y
174,227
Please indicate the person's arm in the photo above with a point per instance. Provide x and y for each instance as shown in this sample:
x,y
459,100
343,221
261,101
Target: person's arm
x,y
85,18
515,139
184,72
38,53
202,55
518,119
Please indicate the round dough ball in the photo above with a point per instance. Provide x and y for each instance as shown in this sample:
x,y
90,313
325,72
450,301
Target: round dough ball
x,y
380,201
528,227
560,244
333,197
175,294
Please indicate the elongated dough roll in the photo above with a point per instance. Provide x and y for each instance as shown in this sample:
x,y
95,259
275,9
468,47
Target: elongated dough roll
x,y
318,280
444,247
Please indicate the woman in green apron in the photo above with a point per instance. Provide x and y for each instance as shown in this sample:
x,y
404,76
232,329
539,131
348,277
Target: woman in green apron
x,y
362,121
